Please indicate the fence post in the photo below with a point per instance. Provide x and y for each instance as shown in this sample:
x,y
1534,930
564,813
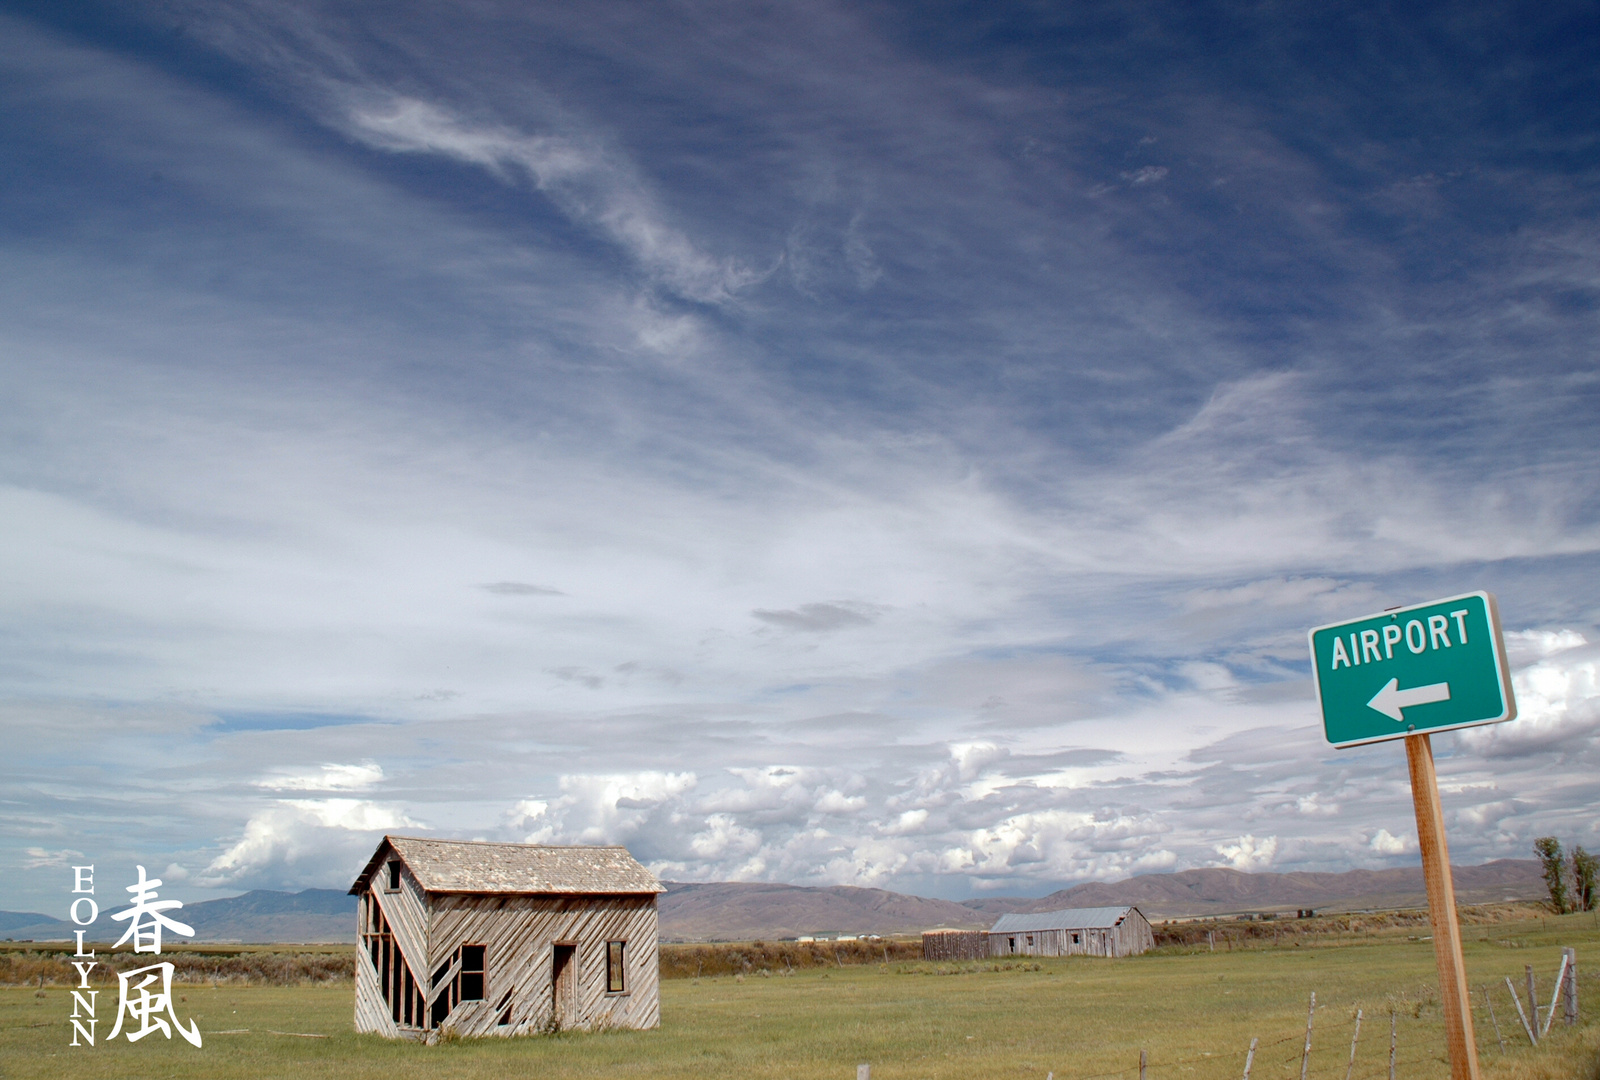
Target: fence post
x,y
863,1072
1305,1055
1391,1044
1489,1003
1533,999
1521,1015
1141,1064
1353,1040
1250,1058
1569,1000
1555,996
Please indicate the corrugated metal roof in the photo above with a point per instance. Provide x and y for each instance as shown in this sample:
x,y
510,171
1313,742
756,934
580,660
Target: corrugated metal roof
x,y
1082,918
471,866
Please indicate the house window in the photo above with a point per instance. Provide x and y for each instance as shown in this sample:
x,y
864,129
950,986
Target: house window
x,y
616,969
394,875
472,972
1030,939
1074,939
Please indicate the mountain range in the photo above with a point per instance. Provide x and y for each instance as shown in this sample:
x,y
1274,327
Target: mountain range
x,y
742,911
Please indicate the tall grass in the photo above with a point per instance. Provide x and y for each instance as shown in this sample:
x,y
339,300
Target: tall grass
x,y
1193,1012
54,968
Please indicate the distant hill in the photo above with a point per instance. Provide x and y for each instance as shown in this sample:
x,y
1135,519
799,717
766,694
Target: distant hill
x,y
1218,891
314,915
262,916
733,911
740,911
17,925
743,911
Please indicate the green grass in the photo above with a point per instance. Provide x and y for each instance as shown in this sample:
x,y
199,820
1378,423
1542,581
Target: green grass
x,y
1193,1012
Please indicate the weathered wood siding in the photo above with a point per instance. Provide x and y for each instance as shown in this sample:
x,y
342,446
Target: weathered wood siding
x,y
955,945
406,913
520,933
1132,937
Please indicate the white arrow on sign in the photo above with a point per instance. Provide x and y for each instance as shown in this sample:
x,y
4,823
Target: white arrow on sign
x,y
1391,699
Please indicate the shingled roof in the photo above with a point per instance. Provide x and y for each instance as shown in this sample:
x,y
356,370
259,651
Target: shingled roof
x,y
470,866
1083,918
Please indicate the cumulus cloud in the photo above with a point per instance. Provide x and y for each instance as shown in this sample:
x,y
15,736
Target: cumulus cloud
x,y
1384,843
1558,700
1248,853
304,843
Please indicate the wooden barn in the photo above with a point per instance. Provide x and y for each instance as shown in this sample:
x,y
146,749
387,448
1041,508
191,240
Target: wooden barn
x,y
947,944
504,939
1100,931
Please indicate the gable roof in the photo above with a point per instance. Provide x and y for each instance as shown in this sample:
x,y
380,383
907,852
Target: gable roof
x,y
1082,918
473,866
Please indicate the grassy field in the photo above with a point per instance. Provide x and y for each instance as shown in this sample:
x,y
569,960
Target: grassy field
x,y
1193,1012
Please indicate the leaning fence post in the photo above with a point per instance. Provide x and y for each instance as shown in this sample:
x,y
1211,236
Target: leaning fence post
x,y
1569,1000
1305,1055
1391,1044
1141,1064
1489,1003
1555,996
863,1072
1352,1067
1533,998
1521,1014
1249,1059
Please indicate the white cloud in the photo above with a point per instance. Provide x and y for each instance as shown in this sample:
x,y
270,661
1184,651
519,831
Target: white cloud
x,y
722,838
1384,843
324,778
591,184
39,858
304,842
1249,854
1524,647
1558,704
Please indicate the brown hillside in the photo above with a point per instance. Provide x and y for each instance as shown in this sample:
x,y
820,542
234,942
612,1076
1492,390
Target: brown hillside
x,y
737,911
1218,890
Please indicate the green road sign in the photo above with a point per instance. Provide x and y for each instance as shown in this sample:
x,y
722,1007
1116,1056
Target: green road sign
x,y
1430,667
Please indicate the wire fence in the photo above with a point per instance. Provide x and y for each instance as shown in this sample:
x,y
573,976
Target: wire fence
x,y
1416,1044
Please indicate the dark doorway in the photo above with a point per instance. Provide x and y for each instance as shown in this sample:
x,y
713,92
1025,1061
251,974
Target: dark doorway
x,y
564,986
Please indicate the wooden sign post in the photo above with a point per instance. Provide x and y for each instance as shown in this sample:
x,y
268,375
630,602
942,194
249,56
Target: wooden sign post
x,y
1400,674
1459,1038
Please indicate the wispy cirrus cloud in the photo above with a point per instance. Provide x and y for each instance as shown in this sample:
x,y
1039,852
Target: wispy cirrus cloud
x,y
588,182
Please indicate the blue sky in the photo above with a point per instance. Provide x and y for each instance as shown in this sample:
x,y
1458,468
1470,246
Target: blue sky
x,y
868,444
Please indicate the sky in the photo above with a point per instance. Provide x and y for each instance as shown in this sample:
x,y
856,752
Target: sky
x,y
899,445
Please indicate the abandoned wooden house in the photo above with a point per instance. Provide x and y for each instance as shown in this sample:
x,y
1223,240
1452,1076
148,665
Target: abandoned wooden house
x,y
503,939
1100,931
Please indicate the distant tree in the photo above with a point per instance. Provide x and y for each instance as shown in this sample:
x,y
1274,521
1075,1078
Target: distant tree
x,y
1548,848
1585,868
